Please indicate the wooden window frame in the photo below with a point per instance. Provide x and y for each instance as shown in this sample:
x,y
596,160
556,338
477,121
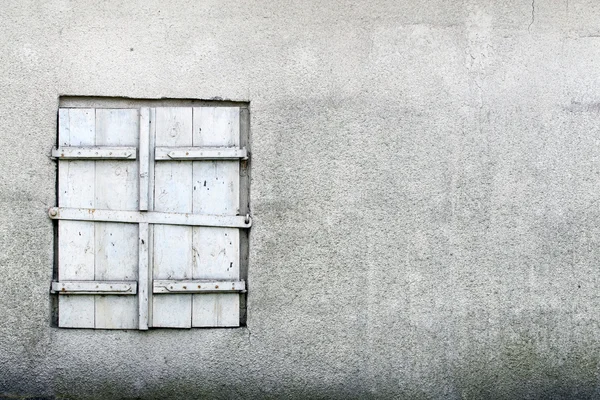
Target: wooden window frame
x,y
145,217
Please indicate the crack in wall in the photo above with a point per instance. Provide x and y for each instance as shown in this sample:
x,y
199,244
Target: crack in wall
x,y
532,15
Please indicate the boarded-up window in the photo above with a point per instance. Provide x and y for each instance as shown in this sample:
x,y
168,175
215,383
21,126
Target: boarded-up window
x,y
150,217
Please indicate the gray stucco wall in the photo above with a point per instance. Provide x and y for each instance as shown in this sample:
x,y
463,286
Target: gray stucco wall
x,y
425,186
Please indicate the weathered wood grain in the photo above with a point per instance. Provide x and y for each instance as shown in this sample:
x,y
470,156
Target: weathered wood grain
x,y
76,245
172,253
216,191
117,244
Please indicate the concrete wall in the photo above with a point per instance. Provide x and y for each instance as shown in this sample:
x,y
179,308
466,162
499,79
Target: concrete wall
x,y
425,186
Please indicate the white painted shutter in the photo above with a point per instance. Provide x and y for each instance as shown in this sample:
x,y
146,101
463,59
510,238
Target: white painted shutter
x,y
98,251
158,234
198,187
217,192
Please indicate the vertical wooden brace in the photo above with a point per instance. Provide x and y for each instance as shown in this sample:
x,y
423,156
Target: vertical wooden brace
x,y
152,134
144,157
144,235
144,281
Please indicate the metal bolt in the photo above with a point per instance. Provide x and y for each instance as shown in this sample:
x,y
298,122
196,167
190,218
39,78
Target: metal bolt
x,y
53,212
247,219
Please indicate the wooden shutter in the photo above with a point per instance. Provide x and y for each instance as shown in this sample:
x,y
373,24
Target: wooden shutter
x,y
98,251
149,224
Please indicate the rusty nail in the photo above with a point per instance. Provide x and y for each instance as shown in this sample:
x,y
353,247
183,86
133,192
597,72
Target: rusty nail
x,y
64,290
186,153
198,286
185,287
216,286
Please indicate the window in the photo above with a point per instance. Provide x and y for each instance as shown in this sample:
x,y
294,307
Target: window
x,y
152,217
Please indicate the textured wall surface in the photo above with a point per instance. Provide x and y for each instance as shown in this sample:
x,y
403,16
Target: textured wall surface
x,y
425,193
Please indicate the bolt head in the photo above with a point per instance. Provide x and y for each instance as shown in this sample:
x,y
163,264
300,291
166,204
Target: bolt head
x,y
53,213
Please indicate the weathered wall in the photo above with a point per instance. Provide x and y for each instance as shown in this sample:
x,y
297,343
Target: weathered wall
x,y
425,194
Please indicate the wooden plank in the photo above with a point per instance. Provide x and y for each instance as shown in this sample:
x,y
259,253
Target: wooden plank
x,y
172,255
244,203
152,140
144,278
152,145
216,191
76,127
94,153
217,126
150,217
198,286
144,166
217,187
216,252
117,244
94,287
199,153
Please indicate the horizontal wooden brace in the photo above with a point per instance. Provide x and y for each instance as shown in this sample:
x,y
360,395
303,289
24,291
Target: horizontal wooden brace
x,y
198,286
94,153
150,217
199,153
94,287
